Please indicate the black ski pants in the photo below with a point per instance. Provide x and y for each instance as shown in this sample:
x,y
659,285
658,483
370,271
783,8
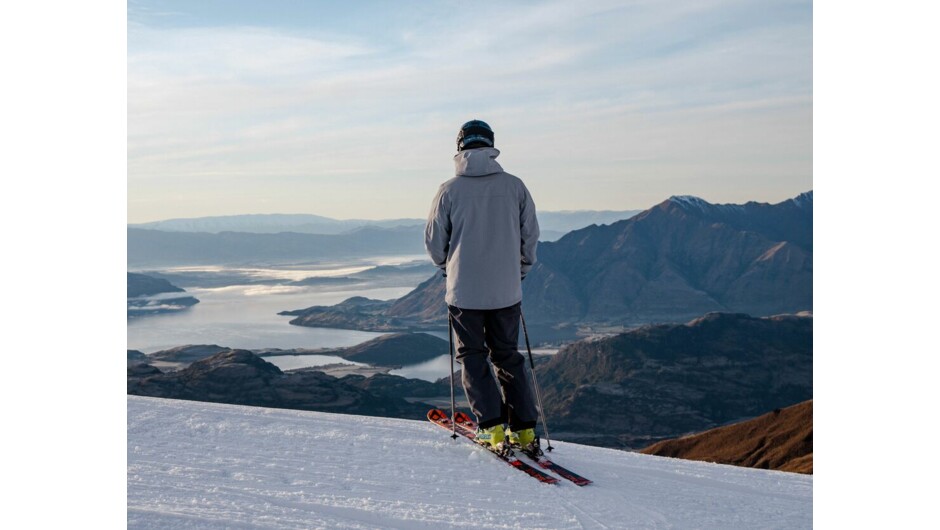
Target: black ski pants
x,y
494,334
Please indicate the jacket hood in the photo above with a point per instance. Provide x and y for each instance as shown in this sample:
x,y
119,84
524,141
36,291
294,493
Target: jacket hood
x,y
477,162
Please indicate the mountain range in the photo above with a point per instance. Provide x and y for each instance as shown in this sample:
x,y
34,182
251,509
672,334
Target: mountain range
x,y
271,224
553,224
679,259
155,248
278,238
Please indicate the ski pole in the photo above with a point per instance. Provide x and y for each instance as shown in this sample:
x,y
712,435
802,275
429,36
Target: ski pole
x,y
535,382
453,403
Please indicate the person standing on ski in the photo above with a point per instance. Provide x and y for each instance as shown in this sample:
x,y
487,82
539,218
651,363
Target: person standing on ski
x,y
483,232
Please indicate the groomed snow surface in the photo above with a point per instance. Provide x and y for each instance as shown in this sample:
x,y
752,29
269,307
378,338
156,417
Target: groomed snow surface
x,y
207,465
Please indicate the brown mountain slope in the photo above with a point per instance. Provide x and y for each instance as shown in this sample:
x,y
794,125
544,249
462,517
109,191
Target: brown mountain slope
x,y
781,440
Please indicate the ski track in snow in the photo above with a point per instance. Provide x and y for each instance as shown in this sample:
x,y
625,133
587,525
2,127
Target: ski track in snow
x,y
207,465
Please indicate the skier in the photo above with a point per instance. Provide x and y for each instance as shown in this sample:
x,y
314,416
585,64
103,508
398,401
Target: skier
x,y
483,232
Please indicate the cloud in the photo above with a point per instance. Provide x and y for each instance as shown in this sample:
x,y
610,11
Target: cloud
x,y
264,290
155,307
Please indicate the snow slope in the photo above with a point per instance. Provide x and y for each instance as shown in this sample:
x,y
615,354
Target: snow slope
x,y
206,465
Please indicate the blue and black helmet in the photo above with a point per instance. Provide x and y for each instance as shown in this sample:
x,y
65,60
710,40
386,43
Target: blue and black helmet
x,y
475,133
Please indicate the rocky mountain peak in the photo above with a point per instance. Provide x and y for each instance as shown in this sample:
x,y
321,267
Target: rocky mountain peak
x,y
690,202
803,200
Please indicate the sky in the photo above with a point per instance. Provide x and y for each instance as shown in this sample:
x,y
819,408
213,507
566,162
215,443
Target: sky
x,y
351,109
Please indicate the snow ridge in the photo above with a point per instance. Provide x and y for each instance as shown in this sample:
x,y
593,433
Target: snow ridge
x,y
691,203
207,465
804,200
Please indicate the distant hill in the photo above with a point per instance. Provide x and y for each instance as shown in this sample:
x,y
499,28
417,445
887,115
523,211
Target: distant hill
x,y
136,356
188,353
149,248
668,380
781,440
395,349
272,224
682,258
274,238
553,223
357,312
143,285
147,295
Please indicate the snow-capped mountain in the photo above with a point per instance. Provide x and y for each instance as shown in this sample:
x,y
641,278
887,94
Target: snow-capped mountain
x,y
207,465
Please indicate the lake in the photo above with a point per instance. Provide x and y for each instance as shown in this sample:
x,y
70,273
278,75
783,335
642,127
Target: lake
x,y
246,316
243,313
238,308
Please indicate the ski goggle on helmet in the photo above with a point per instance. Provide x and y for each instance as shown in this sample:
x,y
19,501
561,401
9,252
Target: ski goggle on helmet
x,y
475,133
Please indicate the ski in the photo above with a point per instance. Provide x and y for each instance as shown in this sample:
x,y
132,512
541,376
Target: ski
x,y
545,463
464,420
439,418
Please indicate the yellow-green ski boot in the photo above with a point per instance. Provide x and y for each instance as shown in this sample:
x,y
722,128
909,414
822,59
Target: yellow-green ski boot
x,y
491,436
523,439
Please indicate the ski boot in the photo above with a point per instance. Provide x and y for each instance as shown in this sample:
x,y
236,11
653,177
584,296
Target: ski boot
x,y
525,440
492,437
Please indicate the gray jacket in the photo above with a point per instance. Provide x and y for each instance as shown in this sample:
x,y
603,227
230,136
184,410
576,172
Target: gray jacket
x,y
483,232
